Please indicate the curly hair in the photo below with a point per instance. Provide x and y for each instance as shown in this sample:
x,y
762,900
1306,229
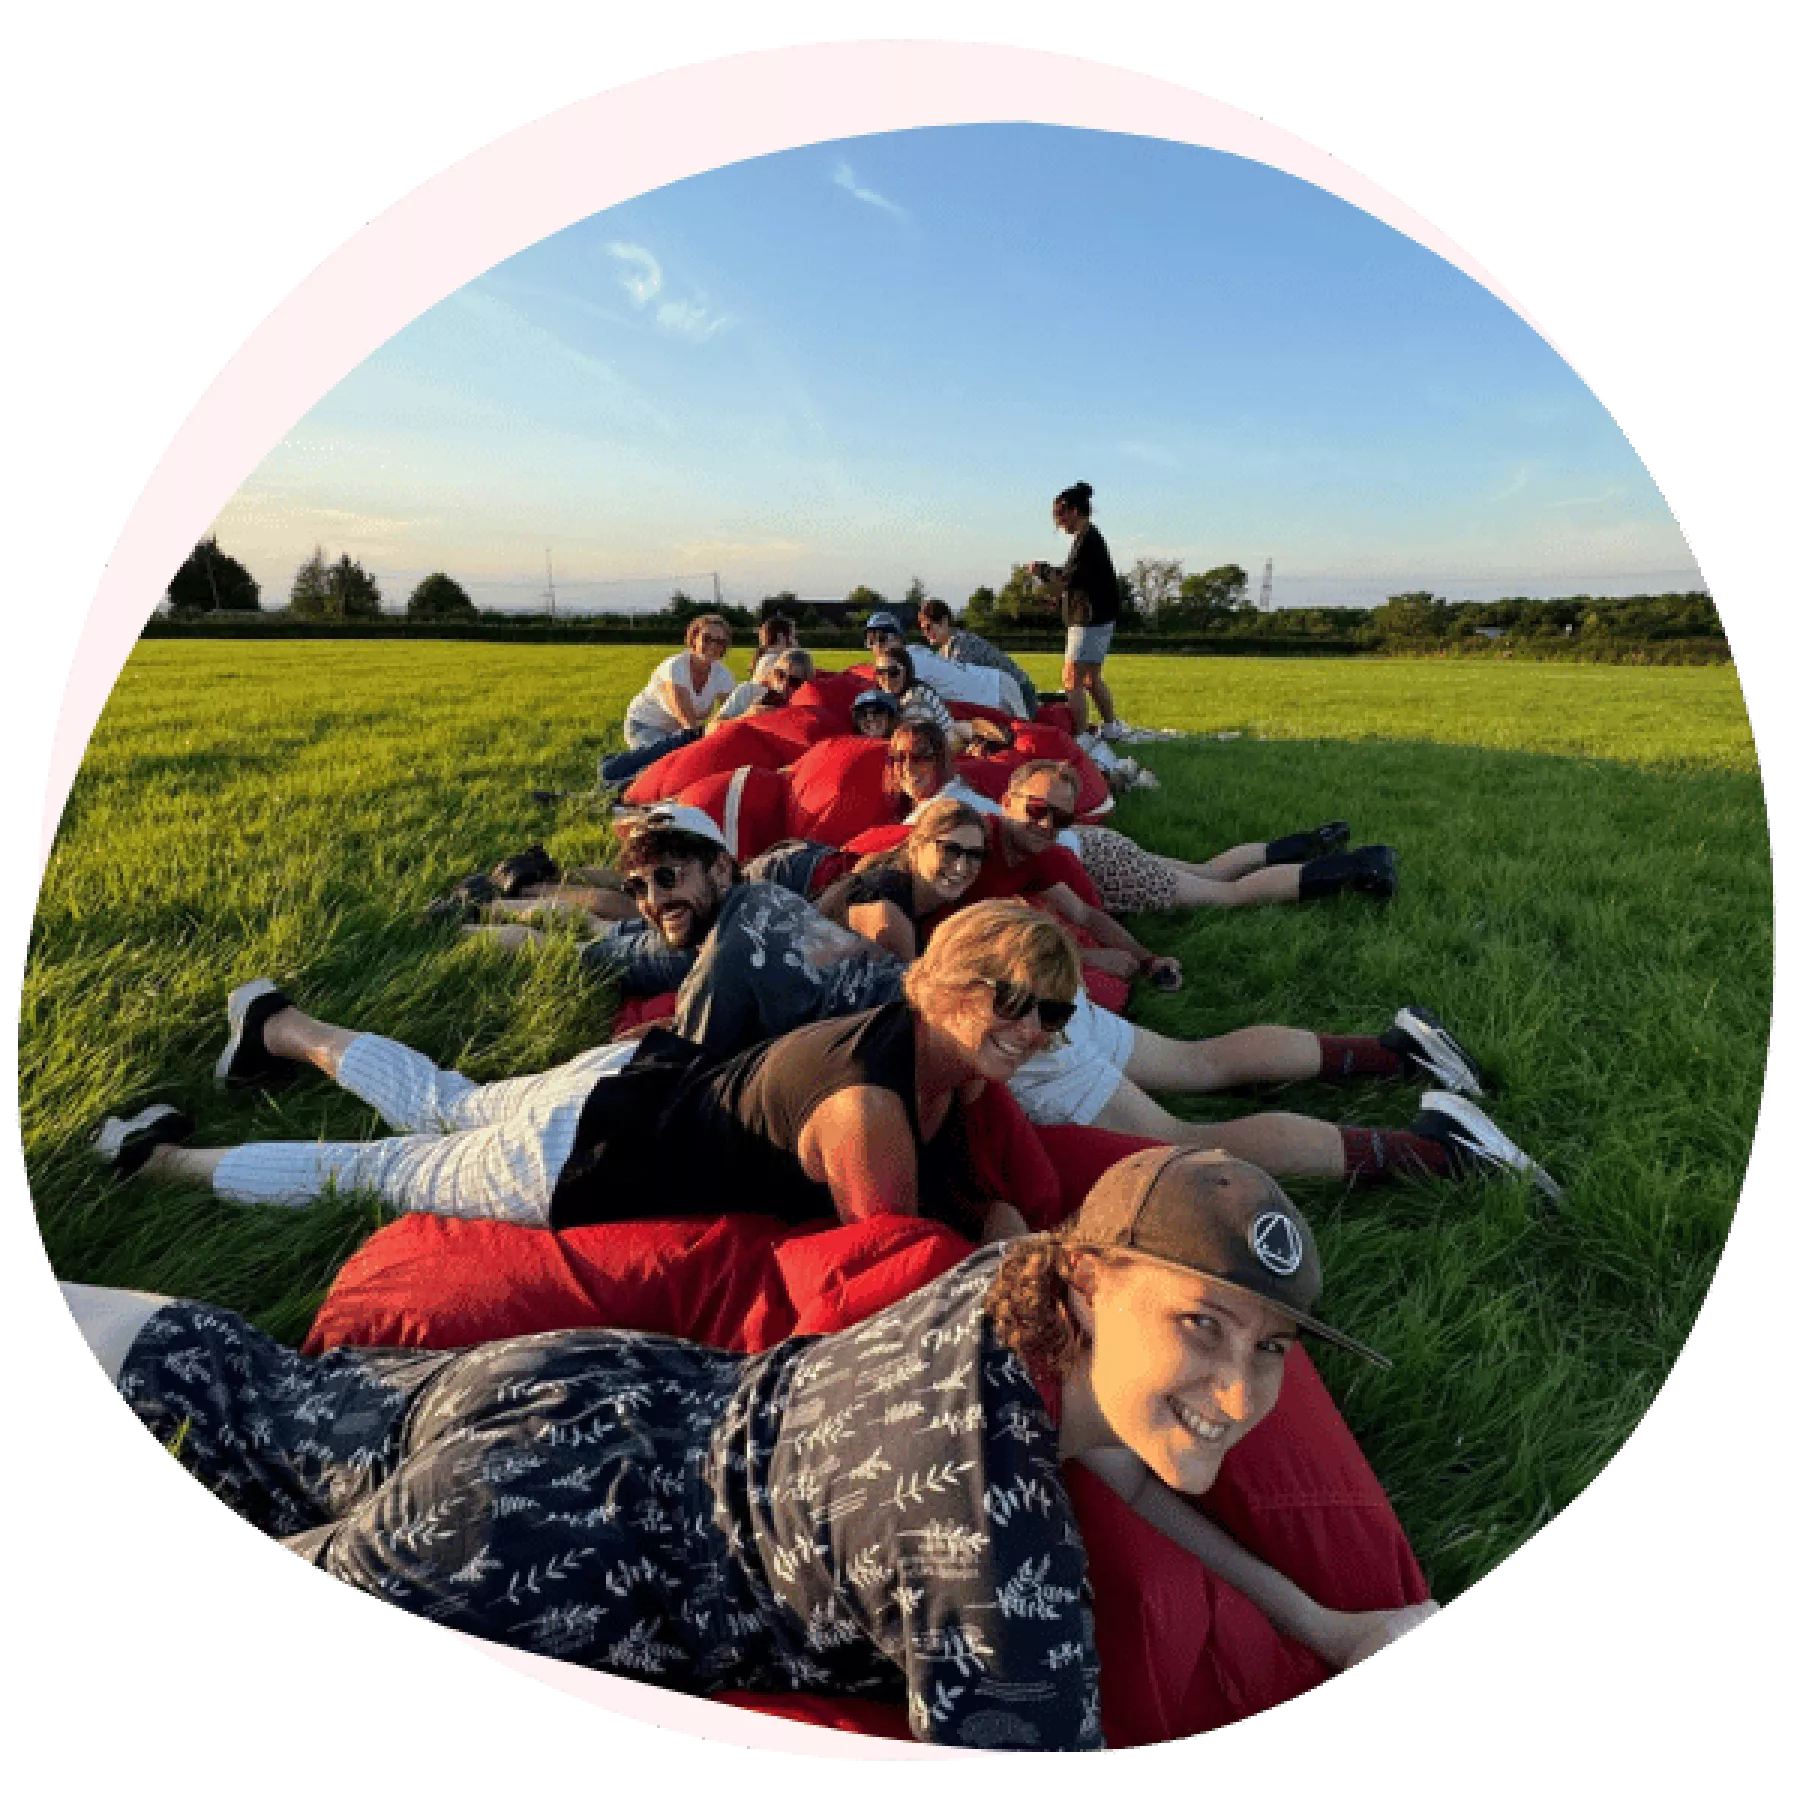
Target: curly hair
x,y
1029,1301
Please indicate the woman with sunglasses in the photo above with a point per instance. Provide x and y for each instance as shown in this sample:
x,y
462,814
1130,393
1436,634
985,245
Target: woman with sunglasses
x,y
882,1511
894,675
887,896
850,1116
683,692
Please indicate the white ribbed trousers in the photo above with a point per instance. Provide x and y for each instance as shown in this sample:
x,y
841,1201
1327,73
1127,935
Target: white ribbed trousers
x,y
471,1152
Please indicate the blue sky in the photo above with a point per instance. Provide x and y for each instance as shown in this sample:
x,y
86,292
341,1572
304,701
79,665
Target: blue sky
x,y
862,361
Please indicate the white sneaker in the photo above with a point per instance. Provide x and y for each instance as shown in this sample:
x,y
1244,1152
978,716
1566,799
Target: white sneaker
x,y
1470,1130
1112,733
126,1143
1425,1041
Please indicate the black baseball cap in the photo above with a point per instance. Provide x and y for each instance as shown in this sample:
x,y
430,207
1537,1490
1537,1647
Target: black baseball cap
x,y
1206,1211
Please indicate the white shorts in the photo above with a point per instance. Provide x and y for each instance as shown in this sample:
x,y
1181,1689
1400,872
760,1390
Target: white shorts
x,y
1071,1082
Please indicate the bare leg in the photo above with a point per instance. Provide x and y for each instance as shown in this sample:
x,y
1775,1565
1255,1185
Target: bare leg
x,y
1228,865
181,1162
1204,1065
1281,1143
507,937
567,901
110,1319
1075,686
1102,695
301,1038
1277,886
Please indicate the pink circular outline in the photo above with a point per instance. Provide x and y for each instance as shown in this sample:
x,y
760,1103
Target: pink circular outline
x,y
512,193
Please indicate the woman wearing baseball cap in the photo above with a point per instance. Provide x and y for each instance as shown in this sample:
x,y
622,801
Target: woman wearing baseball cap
x,y
876,1512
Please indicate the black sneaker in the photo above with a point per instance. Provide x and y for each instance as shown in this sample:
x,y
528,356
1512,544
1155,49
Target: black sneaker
x,y
1377,871
1422,1038
246,1061
529,868
126,1143
1474,1142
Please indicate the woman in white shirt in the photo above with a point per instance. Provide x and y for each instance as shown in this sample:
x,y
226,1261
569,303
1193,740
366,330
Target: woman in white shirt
x,y
683,692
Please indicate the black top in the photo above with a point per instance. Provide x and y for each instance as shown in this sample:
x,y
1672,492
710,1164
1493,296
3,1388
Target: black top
x,y
1089,573
869,887
676,1133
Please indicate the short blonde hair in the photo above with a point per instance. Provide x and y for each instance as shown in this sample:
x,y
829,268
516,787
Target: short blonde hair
x,y
997,940
707,622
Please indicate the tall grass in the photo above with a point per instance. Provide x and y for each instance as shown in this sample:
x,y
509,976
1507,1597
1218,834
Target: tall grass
x,y
1585,896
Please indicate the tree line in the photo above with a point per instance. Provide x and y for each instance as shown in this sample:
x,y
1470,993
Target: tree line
x,y
1158,598
211,580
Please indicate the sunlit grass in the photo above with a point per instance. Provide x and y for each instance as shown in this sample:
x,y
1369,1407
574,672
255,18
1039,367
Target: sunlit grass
x,y
1586,897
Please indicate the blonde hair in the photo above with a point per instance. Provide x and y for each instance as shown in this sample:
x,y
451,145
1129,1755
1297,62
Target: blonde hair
x,y
707,622
997,940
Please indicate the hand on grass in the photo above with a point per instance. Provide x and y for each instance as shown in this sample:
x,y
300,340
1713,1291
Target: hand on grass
x,y
1163,972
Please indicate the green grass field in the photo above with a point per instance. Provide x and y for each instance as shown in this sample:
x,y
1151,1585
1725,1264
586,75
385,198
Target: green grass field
x,y
1586,898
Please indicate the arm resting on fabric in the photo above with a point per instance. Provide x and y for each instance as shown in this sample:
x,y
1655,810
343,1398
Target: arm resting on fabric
x,y
858,1142
1100,925
1340,1638
884,924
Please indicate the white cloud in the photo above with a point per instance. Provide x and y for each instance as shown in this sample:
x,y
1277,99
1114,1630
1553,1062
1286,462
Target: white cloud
x,y
690,320
643,285
846,179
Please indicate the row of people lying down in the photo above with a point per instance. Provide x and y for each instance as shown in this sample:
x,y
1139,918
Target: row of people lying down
x,y
727,1521
693,692
825,1073
748,957
1037,808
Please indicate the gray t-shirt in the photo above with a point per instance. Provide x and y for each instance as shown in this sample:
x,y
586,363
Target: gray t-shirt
x,y
773,962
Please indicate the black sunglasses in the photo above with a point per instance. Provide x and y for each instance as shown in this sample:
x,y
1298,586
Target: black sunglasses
x,y
884,670
972,854
1014,1002
666,876
1041,812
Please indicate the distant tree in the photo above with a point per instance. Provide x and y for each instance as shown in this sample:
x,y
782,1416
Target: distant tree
x,y
1024,600
1155,582
211,581
979,612
864,599
354,593
311,592
1412,617
340,590
917,593
787,601
440,597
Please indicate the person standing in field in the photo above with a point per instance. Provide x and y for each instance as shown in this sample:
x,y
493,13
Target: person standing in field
x,y
1087,589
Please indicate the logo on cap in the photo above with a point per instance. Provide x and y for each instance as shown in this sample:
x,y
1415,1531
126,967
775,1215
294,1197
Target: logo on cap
x,y
1276,1241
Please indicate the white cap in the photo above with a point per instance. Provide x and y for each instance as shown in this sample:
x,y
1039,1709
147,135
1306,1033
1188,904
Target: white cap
x,y
667,815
